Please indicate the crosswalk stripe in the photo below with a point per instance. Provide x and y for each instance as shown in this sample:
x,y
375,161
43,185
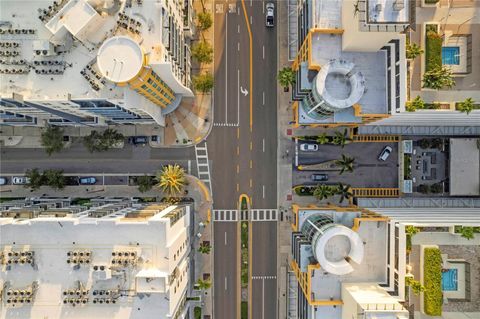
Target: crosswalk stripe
x,y
264,277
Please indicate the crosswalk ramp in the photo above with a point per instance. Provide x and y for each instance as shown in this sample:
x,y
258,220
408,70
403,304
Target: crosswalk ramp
x,y
254,215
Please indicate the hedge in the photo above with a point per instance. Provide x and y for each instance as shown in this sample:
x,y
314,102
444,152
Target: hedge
x,y
433,48
432,280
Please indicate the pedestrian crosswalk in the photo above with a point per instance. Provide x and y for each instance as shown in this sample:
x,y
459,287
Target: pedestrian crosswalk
x,y
203,167
225,124
254,215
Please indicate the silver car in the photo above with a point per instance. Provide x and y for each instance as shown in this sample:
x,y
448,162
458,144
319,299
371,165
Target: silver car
x,y
20,180
270,14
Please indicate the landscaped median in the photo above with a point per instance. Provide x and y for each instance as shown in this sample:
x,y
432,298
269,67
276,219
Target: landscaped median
x,y
244,259
432,280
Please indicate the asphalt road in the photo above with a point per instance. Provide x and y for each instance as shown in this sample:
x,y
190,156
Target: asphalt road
x,y
226,291
130,159
243,144
264,270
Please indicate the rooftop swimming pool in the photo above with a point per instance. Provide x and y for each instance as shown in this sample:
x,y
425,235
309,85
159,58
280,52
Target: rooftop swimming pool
x,y
450,280
451,55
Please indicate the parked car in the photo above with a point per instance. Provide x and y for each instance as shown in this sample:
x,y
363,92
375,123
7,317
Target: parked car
x,y
308,147
3,181
87,180
319,177
385,153
138,140
270,14
20,180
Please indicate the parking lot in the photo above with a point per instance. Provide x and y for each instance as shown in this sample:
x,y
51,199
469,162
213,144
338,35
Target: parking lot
x,y
368,171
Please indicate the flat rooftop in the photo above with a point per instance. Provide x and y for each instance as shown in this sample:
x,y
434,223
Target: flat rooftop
x,y
70,82
372,65
388,11
52,240
464,167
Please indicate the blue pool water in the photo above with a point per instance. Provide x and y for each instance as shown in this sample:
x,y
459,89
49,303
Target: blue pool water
x,y
451,55
449,280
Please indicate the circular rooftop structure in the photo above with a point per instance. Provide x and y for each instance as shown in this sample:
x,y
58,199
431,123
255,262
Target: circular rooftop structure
x,y
120,59
335,247
338,86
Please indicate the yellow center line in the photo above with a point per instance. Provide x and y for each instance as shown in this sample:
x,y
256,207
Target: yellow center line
x,y
251,62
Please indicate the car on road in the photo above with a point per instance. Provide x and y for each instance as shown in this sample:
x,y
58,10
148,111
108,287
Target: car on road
x,y
270,14
87,180
319,177
385,153
138,140
3,181
308,147
20,180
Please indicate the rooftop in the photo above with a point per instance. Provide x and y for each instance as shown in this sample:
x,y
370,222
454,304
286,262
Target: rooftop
x,y
388,11
79,252
464,167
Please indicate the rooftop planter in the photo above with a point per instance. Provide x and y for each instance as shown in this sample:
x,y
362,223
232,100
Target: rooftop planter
x,y
433,47
432,280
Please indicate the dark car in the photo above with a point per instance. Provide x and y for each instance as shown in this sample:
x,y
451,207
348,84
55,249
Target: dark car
x,y
87,180
138,140
319,177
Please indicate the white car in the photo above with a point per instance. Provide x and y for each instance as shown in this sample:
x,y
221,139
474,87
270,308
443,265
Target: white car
x,y
270,14
20,180
385,153
308,147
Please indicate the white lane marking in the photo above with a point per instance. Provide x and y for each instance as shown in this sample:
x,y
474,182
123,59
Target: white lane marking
x,y
238,28
238,10
226,68
263,277
189,170
263,6
225,283
238,46
263,98
263,298
296,152
251,20
263,52
103,179
263,191
263,145
225,238
238,97
251,2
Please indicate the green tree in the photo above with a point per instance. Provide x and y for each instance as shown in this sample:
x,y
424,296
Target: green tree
x,y
346,164
416,104
438,77
204,248
286,77
323,191
411,230
466,106
413,50
344,191
467,232
415,285
100,142
202,52
203,284
423,188
341,138
436,188
35,179
204,21
171,179
203,82
145,183
54,178
52,139
323,139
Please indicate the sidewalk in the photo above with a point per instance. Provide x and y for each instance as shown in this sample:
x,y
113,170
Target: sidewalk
x,y
192,121
284,160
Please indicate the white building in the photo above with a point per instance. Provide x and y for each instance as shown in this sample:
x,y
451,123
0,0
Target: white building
x,y
112,261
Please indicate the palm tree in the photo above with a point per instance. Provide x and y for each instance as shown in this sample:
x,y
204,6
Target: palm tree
x,y
36,179
171,179
416,104
204,248
52,139
323,139
344,191
54,178
323,191
204,284
466,106
286,77
413,50
341,138
346,164
438,77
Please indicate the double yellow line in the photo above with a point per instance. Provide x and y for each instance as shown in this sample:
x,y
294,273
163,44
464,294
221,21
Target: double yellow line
x,y
251,62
